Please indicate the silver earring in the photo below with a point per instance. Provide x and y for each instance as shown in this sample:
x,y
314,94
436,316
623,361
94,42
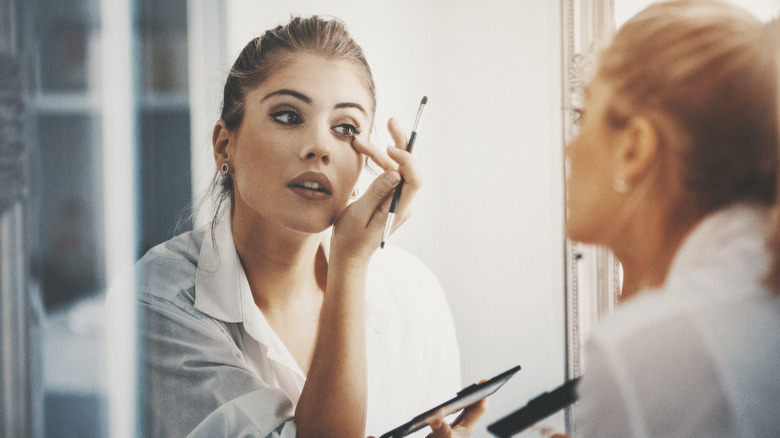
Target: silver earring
x,y
619,183
224,169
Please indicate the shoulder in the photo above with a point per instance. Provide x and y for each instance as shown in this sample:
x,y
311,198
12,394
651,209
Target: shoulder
x,y
662,353
644,365
647,309
401,273
404,297
170,267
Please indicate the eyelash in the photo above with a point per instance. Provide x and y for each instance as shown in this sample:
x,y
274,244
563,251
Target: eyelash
x,y
355,130
279,114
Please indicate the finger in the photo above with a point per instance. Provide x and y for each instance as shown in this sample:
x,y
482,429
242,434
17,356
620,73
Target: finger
x,y
376,199
407,165
439,428
375,153
398,134
471,415
412,184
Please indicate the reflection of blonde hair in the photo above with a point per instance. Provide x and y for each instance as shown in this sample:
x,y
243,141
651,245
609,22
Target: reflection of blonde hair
x,y
704,72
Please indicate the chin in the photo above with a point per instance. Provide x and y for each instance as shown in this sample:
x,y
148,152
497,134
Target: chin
x,y
577,234
313,224
311,228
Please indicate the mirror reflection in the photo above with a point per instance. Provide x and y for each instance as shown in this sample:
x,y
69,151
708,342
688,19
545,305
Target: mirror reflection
x,y
119,103
500,272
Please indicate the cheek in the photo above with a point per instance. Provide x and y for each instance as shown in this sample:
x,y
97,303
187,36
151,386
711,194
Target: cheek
x,y
575,163
582,189
353,164
256,164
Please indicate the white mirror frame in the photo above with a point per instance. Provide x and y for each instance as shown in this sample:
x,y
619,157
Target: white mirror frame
x,y
592,273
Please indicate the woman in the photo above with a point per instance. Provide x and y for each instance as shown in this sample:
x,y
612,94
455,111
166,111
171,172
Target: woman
x,y
674,170
277,321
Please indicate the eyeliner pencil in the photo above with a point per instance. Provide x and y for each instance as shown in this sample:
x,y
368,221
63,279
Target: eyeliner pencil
x,y
400,186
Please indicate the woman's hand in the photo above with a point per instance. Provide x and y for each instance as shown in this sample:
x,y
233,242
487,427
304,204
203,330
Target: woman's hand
x,y
548,432
463,426
396,158
338,367
358,229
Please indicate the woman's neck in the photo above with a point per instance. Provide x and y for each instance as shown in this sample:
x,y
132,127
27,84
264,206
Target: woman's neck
x,y
281,265
647,250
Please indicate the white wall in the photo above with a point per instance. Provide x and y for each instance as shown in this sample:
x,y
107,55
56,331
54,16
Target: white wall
x,y
489,219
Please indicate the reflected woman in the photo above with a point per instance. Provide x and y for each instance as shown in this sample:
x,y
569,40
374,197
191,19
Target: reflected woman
x,y
675,170
280,320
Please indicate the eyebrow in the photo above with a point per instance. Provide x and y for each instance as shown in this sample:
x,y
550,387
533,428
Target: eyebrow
x,y
307,99
286,92
352,105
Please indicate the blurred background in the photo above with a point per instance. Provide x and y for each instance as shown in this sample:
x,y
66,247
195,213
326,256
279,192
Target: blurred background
x,y
102,156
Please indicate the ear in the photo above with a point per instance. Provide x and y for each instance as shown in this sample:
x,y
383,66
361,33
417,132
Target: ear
x,y
221,140
637,150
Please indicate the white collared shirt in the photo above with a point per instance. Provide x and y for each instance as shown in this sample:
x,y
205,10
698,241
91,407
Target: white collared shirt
x,y
214,365
697,357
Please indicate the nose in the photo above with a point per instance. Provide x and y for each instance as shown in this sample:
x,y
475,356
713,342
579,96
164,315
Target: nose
x,y
317,145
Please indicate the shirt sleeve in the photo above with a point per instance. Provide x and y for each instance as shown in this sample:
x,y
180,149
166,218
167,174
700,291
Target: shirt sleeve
x,y
250,415
196,379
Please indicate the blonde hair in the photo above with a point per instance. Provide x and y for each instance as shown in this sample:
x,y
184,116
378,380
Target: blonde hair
x,y
705,73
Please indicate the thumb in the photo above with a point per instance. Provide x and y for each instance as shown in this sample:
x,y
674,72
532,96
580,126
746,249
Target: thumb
x,y
369,210
381,187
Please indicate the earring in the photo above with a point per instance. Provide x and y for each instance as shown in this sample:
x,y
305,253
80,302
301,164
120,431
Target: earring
x,y
355,193
619,183
224,169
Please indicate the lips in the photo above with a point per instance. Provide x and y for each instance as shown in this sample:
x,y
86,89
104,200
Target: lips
x,y
312,184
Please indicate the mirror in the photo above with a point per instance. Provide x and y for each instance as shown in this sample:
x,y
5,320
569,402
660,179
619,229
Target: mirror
x,y
137,77
488,221
593,274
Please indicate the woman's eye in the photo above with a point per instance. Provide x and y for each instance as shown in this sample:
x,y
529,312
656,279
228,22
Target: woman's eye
x,y
287,117
347,130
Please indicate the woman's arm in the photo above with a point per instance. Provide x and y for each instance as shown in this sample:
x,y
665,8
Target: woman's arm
x,y
333,400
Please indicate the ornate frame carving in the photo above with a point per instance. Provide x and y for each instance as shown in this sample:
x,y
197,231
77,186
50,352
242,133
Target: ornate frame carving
x,y
592,273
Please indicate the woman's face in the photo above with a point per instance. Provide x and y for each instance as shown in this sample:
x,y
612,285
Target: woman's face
x,y
590,174
292,156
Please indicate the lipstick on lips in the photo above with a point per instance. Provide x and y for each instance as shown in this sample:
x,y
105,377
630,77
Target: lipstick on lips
x,y
311,185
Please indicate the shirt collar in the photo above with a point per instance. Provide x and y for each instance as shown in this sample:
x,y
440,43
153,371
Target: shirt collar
x,y
218,291
217,282
733,237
